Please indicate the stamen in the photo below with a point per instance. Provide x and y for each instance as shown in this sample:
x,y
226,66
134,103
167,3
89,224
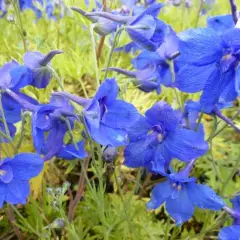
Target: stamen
x,y
2,173
179,188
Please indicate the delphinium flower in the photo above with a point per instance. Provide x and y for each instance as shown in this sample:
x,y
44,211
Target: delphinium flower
x,y
153,68
15,174
50,123
182,194
159,136
209,62
39,65
144,29
13,76
54,8
106,117
232,232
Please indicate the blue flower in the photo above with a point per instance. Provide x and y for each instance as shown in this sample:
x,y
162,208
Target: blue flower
x,y
3,9
144,29
182,194
15,174
49,128
39,65
159,136
106,117
14,76
209,63
232,232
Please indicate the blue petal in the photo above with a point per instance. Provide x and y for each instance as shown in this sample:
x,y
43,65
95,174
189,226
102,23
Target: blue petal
x,y
237,80
20,77
17,191
5,73
26,166
229,94
139,130
192,78
108,136
120,114
142,41
232,38
221,23
2,193
38,138
186,144
41,77
214,88
230,233
162,113
66,152
203,196
145,58
7,175
138,154
54,141
92,115
200,46
160,193
181,207
31,59
145,26
108,90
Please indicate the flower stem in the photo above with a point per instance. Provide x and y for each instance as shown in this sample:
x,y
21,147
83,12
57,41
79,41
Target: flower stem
x,y
114,44
234,10
94,55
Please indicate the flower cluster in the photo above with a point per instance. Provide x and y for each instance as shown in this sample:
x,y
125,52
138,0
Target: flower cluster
x,y
204,60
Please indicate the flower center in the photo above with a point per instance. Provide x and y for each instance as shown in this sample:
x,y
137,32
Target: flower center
x,y
2,173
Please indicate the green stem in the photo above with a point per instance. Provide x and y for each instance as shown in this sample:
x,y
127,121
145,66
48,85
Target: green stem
x,y
234,170
114,44
94,55
167,229
21,134
199,13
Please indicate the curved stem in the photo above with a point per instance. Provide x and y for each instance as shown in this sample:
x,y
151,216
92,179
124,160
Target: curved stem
x,y
234,10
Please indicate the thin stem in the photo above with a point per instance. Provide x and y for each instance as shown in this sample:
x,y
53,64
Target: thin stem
x,y
199,12
167,229
199,120
114,44
12,220
21,134
234,10
234,170
94,55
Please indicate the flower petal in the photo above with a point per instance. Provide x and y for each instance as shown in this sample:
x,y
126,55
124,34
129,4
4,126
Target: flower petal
x,y
160,193
200,46
108,136
26,165
230,233
120,114
192,78
186,144
138,154
17,191
214,88
181,207
162,113
203,196
139,130
69,151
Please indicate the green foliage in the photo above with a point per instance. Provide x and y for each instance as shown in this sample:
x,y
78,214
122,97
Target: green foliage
x,y
102,213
